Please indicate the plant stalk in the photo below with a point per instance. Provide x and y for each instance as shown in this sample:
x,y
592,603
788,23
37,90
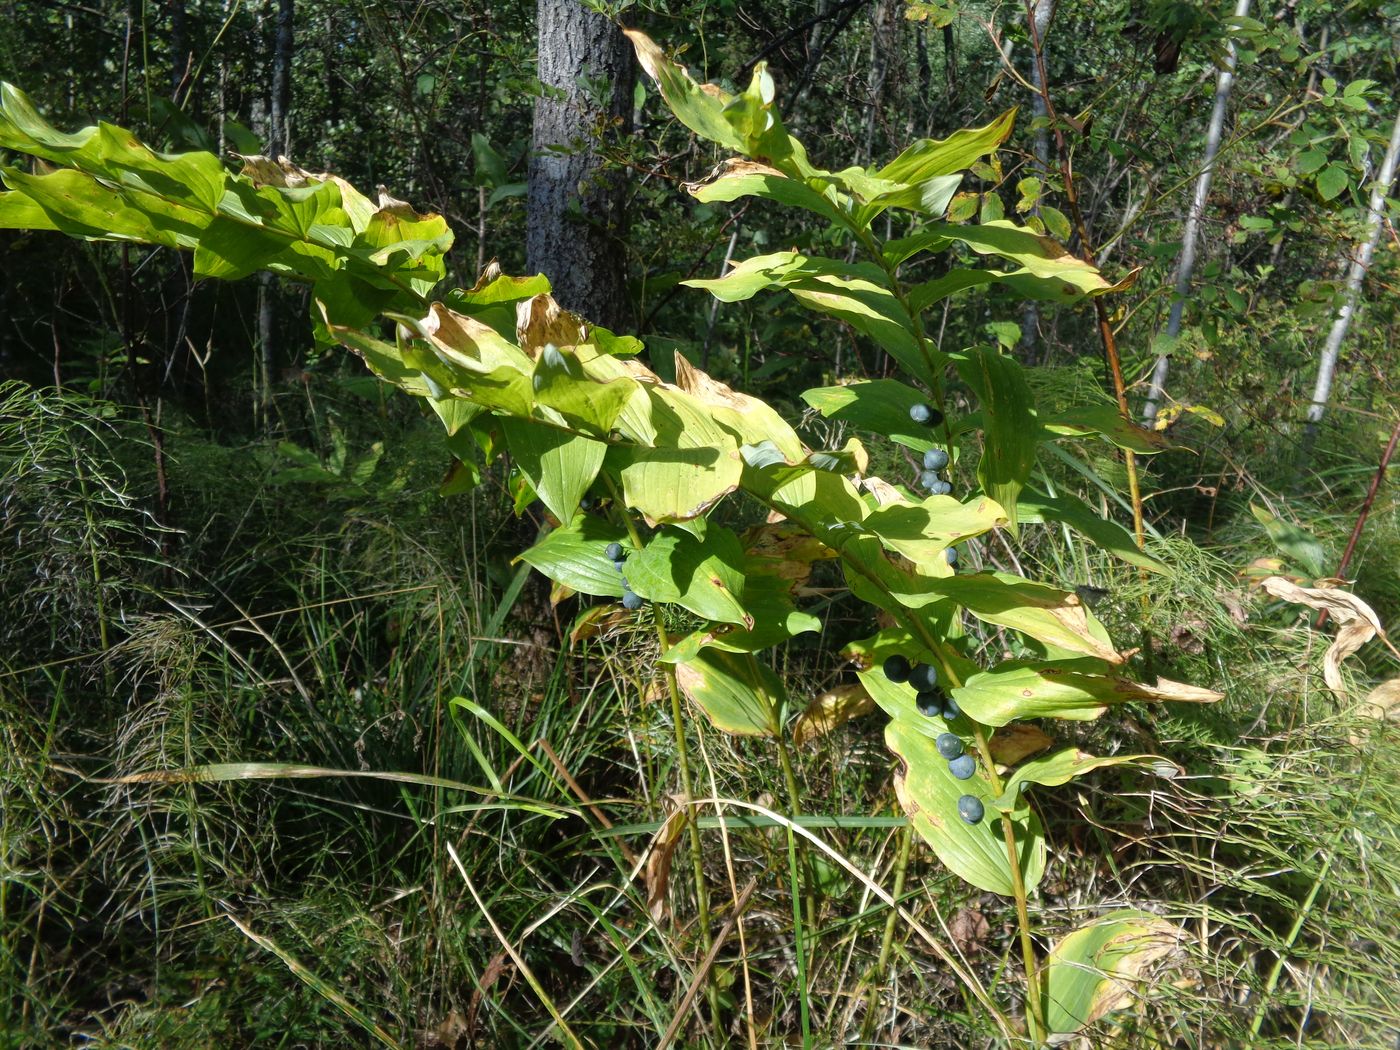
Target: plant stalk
x,y
697,849
882,964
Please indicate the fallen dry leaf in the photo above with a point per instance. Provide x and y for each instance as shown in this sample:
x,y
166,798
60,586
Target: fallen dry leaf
x,y
969,930
830,710
1357,622
656,874
1382,703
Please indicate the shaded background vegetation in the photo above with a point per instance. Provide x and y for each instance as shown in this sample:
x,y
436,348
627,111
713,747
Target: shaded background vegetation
x,y
221,544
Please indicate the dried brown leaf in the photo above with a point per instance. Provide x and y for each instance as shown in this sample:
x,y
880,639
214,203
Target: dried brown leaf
x,y
1013,743
829,710
540,320
656,873
1357,622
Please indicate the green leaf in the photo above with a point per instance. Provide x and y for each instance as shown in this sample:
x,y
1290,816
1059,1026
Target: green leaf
x,y
738,694
561,466
1332,181
1092,971
1009,425
1069,764
739,177
923,531
928,158
1293,540
702,574
880,406
677,484
573,556
561,383
1052,616
929,794
856,293
1107,422
1074,690
1072,511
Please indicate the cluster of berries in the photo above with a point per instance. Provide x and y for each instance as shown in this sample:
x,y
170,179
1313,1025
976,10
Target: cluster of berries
x,y
617,554
935,459
933,701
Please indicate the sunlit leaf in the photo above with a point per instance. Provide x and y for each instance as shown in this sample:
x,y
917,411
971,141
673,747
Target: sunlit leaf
x,y
737,693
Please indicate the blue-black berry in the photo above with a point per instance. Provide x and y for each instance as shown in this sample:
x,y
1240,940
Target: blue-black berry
x,y
963,767
923,676
929,481
970,808
631,601
940,488
614,552
926,415
951,710
951,554
930,702
949,745
935,459
897,668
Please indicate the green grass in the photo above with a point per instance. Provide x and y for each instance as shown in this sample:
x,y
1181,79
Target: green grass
x,y
452,881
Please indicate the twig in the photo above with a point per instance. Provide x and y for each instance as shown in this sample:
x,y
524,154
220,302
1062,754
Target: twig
x,y
1365,511
706,964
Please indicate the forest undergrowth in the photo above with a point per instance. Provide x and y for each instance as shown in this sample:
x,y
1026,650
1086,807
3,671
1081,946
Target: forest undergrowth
x,y
364,860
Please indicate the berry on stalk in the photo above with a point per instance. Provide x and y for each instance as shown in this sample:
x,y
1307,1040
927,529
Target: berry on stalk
x,y
631,601
923,676
897,668
970,809
929,702
949,745
935,459
963,767
926,415
614,552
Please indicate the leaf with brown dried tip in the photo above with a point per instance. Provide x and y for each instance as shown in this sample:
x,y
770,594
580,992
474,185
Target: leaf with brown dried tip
x,y
540,320
1094,969
829,710
1357,622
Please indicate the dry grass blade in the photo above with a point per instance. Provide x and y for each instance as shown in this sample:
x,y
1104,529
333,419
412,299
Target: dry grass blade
x,y
566,1034
1357,622
319,986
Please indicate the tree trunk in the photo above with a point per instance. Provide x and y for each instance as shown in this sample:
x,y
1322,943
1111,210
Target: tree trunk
x,y
276,145
1356,274
1040,15
1186,263
575,221
883,39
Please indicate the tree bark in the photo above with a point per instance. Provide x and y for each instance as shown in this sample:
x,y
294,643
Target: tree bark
x,y
1356,274
575,221
1186,262
1040,15
277,144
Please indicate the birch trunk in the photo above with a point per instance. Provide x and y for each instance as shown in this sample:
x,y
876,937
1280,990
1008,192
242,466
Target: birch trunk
x,y
1356,274
1040,15
1186,263
276,144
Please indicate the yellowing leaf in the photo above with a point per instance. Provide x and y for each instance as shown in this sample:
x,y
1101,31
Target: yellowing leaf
x,y
929,794
1012,743
829,710
1097,968
738,694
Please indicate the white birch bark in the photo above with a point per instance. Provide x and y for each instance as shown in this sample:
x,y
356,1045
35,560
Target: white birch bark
x,y
1351,294
1186,262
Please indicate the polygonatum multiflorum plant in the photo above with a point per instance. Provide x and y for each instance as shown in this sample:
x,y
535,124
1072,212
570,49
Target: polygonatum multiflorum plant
x,y
632,468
